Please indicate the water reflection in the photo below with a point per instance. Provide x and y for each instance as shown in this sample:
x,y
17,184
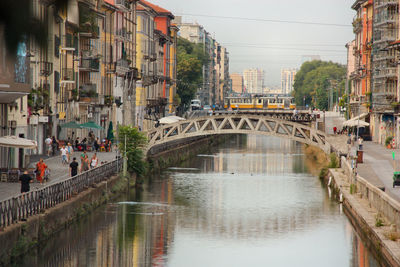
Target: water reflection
x,y
252,204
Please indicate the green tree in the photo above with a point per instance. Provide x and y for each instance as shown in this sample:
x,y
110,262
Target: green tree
x,y
191,57
315,79
135,143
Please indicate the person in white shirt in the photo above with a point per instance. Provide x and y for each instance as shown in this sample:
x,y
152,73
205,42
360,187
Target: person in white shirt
x,y
64,153
48,142
70,151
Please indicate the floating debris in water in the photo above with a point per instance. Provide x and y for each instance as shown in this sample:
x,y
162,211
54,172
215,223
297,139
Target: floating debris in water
x,y
142,203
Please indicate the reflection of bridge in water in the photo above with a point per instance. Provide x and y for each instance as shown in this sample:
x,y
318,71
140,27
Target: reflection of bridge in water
x,y
232,123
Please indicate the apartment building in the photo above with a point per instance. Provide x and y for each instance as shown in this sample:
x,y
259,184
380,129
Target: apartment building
x,y
216,72
287,80
253,80
237,83
14,88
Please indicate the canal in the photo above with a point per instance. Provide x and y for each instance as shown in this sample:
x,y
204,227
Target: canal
x,y
250,202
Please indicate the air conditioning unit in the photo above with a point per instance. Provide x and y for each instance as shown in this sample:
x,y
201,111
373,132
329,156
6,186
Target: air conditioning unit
x,y
90,115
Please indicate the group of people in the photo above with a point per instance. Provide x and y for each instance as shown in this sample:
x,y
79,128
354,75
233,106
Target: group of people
x,y
52,145
42,172
86,164
91,143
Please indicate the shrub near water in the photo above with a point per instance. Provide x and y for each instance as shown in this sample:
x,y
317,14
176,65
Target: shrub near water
x,y
135,143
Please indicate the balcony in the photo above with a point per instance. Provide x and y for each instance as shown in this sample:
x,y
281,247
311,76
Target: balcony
x,y
122,66
357,25
69,42
90,65
68,74
385,3
123,5
133,74
386,19
88,93
388,73
90,87
89,31
46,68
121,33
360,99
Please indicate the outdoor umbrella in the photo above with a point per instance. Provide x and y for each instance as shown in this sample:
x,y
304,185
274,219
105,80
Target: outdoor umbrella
x,y
355,123
171,119
110,132
91,125
11,141
17,142
71,124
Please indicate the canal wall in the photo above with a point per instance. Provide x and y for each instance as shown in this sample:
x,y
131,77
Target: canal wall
x,y
172,154
17,239
375,215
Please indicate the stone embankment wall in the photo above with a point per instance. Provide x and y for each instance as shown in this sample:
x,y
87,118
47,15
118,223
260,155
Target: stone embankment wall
x,y
18,238
172,154
374,214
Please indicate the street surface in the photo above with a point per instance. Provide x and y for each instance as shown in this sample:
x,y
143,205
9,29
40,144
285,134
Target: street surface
x,y
58,172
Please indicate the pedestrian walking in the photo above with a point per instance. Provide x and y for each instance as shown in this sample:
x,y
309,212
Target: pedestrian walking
x,y
70,151
94,161
64,155
73,167
85,164
40,170
48,142
54,145
25,180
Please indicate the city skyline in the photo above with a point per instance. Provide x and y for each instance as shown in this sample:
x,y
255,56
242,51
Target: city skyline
x,y
273,45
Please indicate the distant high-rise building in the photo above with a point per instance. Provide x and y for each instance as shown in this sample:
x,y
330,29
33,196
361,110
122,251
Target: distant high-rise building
x,y
237,83
287,80
306,58
253,80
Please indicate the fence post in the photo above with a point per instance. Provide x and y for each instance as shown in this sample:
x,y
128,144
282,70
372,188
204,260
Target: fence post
x,y
14,209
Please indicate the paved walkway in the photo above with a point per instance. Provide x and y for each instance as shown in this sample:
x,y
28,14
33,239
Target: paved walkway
x,y
378,165
58,172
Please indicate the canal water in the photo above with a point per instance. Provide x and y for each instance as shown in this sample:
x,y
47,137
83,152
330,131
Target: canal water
x,y
250,202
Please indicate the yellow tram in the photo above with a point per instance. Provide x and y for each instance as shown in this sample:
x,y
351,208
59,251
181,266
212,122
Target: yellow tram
x,y
260,102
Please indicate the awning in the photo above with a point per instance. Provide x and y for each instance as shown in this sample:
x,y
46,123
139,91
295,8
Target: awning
x,y
355,123
171,119
361,117
9,97
91,125
17,142
71,125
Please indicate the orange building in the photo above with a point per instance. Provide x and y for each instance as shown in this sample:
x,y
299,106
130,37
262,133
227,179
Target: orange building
x,y
163,23
361,77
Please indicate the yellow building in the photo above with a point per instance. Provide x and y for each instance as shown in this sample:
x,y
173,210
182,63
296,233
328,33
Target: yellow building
x,y
144,62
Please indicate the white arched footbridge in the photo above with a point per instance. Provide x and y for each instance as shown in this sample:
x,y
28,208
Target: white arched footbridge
x,y
237,124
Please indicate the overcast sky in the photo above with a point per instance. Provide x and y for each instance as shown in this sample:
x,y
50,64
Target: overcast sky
x,y
272,45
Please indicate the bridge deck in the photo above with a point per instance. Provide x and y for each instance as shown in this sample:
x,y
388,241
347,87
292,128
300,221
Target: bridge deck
x,y
288,115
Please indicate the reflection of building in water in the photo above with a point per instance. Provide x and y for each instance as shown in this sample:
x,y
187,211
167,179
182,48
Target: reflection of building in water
x,y
282,157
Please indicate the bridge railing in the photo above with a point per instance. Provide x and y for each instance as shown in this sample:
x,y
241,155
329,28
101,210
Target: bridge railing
x,y
25,205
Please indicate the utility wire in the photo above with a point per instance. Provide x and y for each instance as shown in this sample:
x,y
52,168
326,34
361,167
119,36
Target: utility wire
x,y
268,20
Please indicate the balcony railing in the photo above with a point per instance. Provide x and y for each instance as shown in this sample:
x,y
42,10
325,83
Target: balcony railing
x,y
90,64
121,66
121,33
383,3
69,42
122,4
91,87
67,74
390,18
46,68
387,73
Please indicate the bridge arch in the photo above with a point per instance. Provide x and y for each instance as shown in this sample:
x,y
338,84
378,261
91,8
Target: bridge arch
x,y
237,124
